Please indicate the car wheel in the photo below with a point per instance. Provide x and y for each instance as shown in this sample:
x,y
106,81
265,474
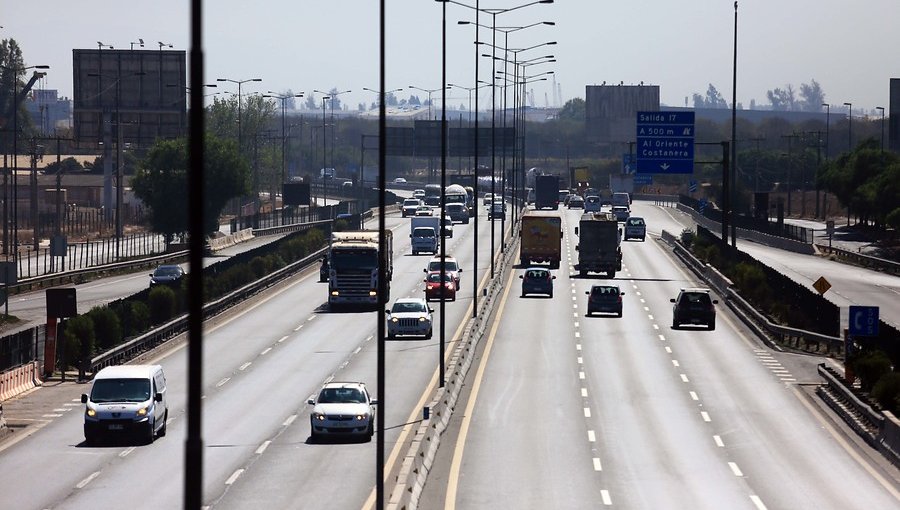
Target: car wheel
x,y
162,430
371,431
391,336
148,434
415,252
428,335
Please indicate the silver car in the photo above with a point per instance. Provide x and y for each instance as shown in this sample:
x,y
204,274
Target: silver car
x,y
342,409
409,316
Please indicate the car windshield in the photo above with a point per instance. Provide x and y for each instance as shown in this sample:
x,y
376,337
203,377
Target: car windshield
x,y
435,265
536,274
411,201
605,291
695,298
341,396
407,307
423,232
636,222
121,390
436,277
167,271
354,259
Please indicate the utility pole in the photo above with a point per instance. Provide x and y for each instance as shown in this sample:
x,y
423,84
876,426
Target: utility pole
x,y
790,139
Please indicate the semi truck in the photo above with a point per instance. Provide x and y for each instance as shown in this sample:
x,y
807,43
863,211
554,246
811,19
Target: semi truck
x,y
599,244
424,234
353,268
541,236
546,192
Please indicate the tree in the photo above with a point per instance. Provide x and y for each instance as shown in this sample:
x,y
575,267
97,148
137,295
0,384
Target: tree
x,y
11,59
713,99
812,96
311,102
334,102
161,183
783,99
67,166
573,109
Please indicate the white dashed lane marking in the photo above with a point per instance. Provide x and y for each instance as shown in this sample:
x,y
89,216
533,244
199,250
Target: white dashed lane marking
x,y
87,480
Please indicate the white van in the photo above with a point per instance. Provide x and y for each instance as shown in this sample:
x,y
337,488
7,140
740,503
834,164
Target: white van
x,y
126,399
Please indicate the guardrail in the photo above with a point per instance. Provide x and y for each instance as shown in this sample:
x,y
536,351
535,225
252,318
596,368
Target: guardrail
x,y
421,453
766,329
867,261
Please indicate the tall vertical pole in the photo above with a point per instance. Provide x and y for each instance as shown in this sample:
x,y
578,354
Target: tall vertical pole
x,y
443,311
475,173
726,173
494,137
732,193
324,152
193,466
382,267
503,152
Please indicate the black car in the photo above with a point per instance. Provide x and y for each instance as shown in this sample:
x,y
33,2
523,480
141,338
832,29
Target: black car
x,y
694,306
604,298
166,275
537,280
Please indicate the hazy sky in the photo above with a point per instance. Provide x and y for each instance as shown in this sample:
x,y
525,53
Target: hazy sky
x,y
848,46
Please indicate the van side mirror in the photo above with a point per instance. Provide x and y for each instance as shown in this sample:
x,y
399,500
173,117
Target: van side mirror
x,y
521,277
715,301
387,311
373,402
576,231
84,398
553,277
157,397
311,401
576,247
425,270
587,292
672,300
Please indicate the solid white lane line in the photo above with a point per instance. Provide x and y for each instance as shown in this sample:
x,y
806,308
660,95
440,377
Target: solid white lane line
x,y
265,351
604,494
87,480
222,382
289,420
126,451
719,442
587,412
592,437
705,416
584,392
262,447
234,476
684,378
245,365
735,469
675,363
282,339
757,502
597,466
694,395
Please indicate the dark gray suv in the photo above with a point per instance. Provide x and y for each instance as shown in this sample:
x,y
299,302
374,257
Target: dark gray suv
x,y
694,306
537,280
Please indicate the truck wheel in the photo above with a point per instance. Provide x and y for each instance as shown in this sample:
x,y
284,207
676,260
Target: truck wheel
x,y
162,430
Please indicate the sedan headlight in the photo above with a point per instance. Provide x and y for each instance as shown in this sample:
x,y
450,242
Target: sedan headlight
x,y
422,319
361,417
91,413
318,416
395,320
142,411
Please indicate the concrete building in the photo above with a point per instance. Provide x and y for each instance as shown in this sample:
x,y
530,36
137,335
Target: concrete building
x,y
48,111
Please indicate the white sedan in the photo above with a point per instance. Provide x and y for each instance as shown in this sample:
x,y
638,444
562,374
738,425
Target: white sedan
x,y
342,409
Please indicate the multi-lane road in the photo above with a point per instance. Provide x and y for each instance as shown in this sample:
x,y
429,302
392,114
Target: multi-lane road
x,y
560,410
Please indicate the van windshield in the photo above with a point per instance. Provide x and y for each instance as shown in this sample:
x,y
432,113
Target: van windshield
x,y
121,390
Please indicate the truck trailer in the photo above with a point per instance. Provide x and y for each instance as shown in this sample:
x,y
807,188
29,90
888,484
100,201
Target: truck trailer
x,y
541,236
546,192
353,268
599,244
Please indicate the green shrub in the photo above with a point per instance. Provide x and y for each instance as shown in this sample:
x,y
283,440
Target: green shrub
x,y
887,392
162,304
870,367
751,280
107,327
137,318
341,224
79,340
260,266
687,237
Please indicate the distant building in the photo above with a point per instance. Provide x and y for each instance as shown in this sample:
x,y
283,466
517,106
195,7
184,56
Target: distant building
x,y
49,111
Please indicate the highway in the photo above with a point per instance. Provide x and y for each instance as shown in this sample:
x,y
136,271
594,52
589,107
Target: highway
x,y
261,362
569,411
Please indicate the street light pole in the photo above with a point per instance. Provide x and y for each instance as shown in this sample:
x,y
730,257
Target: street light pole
x,y
240,101
281,98
324,151
882,127
849,126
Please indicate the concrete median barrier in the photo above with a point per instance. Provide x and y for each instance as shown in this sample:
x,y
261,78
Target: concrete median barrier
x,y
19,380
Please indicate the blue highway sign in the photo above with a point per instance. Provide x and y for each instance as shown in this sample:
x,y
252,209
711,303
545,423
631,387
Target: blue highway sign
x,y
627,163
665,142
643,179
863,321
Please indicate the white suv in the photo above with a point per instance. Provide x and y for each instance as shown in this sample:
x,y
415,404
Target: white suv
x,y
635,228
409,316
342,408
